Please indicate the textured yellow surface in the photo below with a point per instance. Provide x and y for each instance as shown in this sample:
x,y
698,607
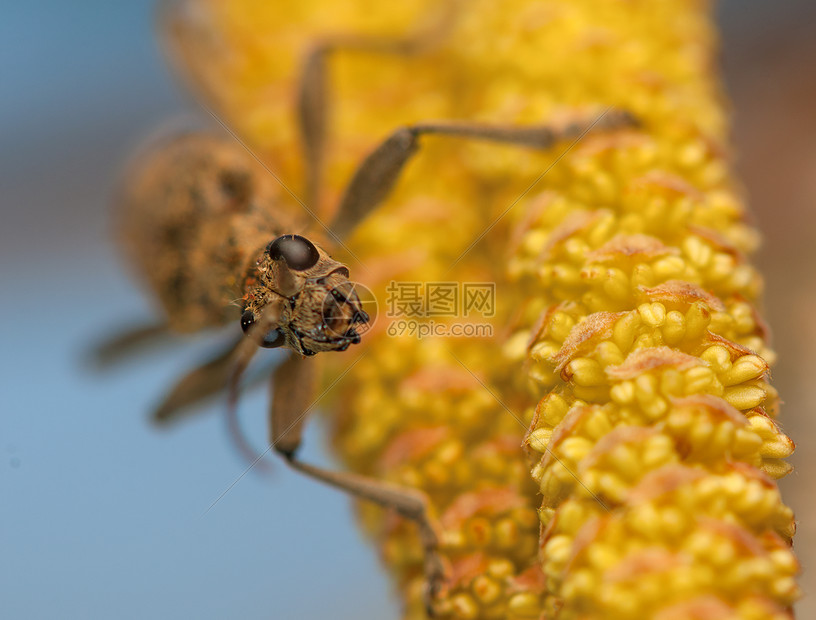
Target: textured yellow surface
x,y
626,333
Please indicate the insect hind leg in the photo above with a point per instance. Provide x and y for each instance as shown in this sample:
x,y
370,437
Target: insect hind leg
x,y
313,97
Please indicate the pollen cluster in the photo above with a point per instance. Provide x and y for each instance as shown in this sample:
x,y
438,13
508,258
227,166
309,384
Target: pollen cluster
x,y
655,443
629,368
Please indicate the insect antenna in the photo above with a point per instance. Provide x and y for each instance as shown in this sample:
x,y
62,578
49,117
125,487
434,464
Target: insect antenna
x,y
243,354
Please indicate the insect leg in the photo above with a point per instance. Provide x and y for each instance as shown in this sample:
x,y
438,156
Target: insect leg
x,y
313,97
197,385
408,503
380,170
292,390
128,343
203,382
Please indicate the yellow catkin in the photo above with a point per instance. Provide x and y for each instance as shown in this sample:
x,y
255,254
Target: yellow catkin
x,y
626,335
671,509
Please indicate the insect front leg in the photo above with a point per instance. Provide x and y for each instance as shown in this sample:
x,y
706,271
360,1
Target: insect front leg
x,y
380,170
292,387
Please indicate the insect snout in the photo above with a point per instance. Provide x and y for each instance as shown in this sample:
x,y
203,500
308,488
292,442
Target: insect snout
x,y
343,315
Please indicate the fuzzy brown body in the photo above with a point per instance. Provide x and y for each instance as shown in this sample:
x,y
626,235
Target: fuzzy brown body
x,y
198,220
195,217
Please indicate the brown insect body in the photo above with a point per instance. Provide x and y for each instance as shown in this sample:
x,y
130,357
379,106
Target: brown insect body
x,y
198,215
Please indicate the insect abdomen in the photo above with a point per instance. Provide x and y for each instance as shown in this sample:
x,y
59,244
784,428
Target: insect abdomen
x,y
196,213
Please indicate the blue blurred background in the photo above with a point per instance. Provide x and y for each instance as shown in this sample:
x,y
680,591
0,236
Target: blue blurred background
x,y
102,516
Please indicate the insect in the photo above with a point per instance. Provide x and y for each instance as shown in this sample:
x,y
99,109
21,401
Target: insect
x,y
217,240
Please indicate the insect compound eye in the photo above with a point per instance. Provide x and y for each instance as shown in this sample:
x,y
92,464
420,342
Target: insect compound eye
x,y
272,340
247,319
298,252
